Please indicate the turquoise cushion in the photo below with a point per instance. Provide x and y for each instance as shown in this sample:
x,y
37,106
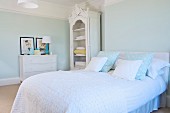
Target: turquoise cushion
x,y
147,58
112,56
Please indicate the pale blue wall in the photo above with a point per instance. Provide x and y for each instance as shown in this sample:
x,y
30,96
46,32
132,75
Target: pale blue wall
x,y
137,25
12,26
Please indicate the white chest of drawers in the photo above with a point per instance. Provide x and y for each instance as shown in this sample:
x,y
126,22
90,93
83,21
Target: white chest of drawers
x,y
35,64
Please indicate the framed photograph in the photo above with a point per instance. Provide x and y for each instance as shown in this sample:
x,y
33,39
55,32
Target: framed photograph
x,y
26,45
40,46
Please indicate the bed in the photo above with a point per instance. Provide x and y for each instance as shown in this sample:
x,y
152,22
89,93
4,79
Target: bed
x,y
90,92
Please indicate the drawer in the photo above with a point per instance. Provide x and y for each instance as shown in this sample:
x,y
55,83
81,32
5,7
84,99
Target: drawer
x,y
40,67
39,59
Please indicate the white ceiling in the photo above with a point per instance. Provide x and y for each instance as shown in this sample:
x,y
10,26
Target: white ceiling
x,y
58,9
65,2
92,4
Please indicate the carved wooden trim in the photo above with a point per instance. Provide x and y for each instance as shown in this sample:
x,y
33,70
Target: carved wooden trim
x,y
77,11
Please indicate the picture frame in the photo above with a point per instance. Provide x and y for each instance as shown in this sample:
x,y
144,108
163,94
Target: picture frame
x,y
40,46
26,45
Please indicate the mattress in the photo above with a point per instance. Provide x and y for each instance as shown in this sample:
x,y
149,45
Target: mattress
x,y
99,92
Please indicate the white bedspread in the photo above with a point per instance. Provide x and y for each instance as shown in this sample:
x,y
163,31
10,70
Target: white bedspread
x,y
140,92
71,92
84,92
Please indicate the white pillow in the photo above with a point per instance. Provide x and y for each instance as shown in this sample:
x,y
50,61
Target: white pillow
x,y
96,64
127,69
156,68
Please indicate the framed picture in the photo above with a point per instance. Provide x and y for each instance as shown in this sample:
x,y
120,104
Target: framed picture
x,y
40,46
26,45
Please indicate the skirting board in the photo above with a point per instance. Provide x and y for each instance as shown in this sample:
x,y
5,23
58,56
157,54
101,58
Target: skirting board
x,y
9,81
168,100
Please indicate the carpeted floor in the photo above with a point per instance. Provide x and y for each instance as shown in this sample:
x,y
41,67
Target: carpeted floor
x,y
7,96
8,93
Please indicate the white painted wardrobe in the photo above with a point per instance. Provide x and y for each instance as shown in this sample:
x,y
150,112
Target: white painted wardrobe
x,y
84,37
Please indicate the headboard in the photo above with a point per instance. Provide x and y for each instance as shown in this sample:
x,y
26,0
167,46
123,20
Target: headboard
x,y
160,55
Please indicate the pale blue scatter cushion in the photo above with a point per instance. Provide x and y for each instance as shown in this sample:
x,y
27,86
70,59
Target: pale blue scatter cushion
x,y
147,58
112,56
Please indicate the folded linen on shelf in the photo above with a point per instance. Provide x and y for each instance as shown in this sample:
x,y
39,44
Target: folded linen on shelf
x,y
80,55
79,63
80,38
79,67
78,51
80,48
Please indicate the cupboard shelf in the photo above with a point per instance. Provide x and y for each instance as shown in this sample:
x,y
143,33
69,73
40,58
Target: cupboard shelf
x,y
80,29
80,55
79,39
